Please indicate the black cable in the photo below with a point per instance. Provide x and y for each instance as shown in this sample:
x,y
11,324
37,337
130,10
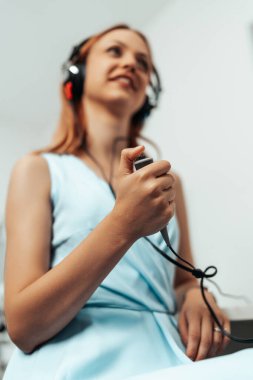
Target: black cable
x,y
167,241
223,331
168,257
198,273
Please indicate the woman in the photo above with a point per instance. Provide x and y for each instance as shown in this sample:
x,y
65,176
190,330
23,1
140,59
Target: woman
x,y
86,297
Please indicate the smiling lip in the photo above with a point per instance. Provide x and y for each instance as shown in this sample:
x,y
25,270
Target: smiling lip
x,y
132,83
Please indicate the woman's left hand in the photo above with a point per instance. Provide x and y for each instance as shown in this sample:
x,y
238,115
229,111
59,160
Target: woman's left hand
x,y
196,326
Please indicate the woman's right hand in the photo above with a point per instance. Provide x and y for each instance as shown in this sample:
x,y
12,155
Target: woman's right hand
x,y
145,199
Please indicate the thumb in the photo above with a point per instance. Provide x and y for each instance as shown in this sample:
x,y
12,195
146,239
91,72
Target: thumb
x,y
128,155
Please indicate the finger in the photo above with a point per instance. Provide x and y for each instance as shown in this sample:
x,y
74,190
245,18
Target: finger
x,y
225,340
170,195
169,211
183,329
127,157
156,169
165,182
194,333
217,342
206,340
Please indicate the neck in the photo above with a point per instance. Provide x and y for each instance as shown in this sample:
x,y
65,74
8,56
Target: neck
x,y
103,127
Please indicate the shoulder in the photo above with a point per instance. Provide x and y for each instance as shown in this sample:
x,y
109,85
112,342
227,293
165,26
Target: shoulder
x,y
30,171
30,162
31,165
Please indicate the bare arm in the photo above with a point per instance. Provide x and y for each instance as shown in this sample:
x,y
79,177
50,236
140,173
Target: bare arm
x,y
40,302
183,280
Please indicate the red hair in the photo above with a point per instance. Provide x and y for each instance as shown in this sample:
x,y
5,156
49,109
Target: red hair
x,y
71,133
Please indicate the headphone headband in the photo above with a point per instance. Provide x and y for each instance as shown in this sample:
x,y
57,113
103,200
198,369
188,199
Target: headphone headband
x,y
76,49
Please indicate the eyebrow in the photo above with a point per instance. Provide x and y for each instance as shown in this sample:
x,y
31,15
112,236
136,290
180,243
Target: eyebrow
x,y
139,52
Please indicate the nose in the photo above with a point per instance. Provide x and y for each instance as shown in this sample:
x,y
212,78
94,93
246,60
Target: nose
x,y
129,62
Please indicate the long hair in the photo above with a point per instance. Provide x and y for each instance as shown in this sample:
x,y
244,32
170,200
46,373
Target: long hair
x,y
71,133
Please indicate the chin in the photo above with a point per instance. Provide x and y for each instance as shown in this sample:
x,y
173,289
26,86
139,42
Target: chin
x,y
124,103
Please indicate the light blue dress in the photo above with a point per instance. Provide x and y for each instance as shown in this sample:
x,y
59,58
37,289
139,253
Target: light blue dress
x,y
128,326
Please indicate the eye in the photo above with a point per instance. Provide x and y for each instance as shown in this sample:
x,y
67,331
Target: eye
x,y
115,49
144,64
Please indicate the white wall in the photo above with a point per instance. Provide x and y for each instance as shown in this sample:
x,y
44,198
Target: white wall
x,y
204,50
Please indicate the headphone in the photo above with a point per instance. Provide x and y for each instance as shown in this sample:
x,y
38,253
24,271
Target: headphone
x,y
74,77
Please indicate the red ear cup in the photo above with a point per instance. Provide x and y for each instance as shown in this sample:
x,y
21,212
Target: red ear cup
x,y
68,90
74,75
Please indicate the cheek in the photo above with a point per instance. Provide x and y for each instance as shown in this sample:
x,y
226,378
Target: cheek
x,y
91,82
